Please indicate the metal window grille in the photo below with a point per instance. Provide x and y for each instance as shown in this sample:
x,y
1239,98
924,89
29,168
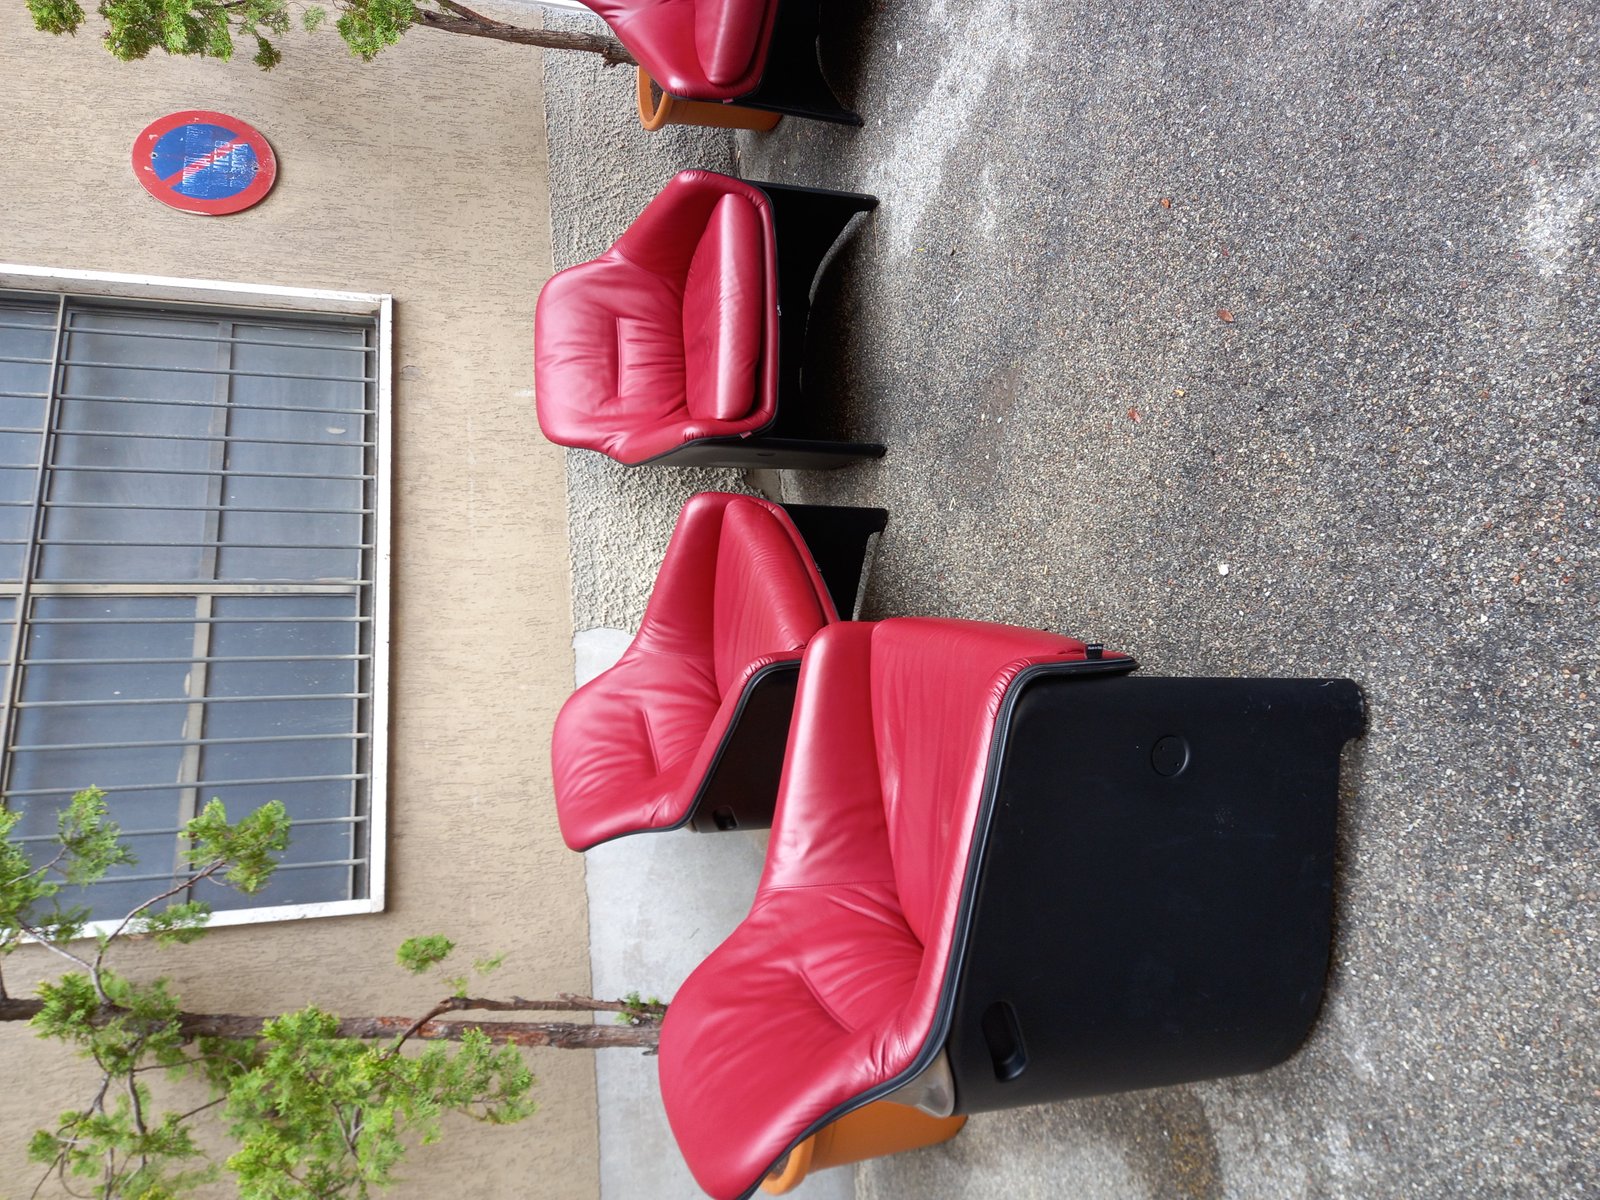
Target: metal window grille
x,y
188,580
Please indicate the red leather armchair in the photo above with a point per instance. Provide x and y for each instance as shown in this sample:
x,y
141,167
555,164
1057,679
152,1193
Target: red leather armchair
x,y
757,53
1002,872
682,344
689,726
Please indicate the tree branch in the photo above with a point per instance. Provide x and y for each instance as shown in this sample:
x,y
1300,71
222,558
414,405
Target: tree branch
x,y
208,1104
564,1035
136,1108
38,936
564,1002
60,854
475,25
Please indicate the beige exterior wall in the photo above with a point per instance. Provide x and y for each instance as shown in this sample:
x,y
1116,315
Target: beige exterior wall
x,y
422,175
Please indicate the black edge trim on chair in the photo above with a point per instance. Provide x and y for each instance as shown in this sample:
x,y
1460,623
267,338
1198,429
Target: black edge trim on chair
x,y
806,224
792,81
939,1031
1199,835
758,450
740,789
837,537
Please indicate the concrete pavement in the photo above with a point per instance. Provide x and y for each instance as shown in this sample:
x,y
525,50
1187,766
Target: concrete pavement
x,y
1248,339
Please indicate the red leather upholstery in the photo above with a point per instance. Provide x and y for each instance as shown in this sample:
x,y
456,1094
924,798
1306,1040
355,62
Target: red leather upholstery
x,y
722,308
736,592
829,987
669,336
697,49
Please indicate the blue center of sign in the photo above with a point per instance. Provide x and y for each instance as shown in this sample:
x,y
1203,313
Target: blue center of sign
x,y
206,162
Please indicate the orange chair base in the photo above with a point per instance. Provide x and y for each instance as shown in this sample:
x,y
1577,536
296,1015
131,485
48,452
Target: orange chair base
x,y
658,108
873,1131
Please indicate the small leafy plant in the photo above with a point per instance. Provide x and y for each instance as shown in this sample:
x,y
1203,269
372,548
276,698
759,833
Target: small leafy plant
x,y
316,1106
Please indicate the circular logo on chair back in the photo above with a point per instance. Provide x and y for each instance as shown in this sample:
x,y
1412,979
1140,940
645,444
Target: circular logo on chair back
x,y
1170,755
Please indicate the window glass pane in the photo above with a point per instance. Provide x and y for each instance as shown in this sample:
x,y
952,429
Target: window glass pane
x,y
334,358
27,332
136,527
117,488
126,355
292,886
103,681
99,627
111,722
121,563
319,841
311,529
280,717
287,625
112,416
252,491
70,770
275,760
134,811
242,564
316,677
193,455
19,450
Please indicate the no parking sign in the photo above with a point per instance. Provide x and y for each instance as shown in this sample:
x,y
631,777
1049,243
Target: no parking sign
x,y
204,162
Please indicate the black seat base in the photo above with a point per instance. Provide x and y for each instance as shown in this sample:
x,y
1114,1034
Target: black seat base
x,y
1154,896
806,224
793,81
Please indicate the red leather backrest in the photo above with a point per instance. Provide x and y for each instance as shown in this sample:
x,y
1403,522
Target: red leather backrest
x,y
936,687
829,827
765,599
727,34
724,310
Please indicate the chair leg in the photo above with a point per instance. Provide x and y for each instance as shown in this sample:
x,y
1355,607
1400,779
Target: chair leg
x,y
806,223
838,538
793,81
763,450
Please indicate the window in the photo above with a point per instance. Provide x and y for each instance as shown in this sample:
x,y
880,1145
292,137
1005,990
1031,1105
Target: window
x,y
192,570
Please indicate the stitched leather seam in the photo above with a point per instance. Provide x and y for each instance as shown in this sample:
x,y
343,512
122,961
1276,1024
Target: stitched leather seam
x,y
650,741
823,1004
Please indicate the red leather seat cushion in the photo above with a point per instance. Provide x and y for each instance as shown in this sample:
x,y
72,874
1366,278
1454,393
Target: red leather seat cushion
x,y
736,592
609,349
727,34
829,987
723,295
634,731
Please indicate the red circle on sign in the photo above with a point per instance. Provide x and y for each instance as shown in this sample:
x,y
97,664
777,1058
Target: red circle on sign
x,y
165,189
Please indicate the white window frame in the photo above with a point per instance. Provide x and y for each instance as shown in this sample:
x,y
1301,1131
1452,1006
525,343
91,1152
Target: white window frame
x,y
380,307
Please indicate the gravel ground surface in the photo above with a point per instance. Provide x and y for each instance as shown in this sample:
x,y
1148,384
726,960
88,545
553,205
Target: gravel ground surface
x,y
1261,339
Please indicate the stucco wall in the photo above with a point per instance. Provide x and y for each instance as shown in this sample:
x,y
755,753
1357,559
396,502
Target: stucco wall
x,y
422,175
